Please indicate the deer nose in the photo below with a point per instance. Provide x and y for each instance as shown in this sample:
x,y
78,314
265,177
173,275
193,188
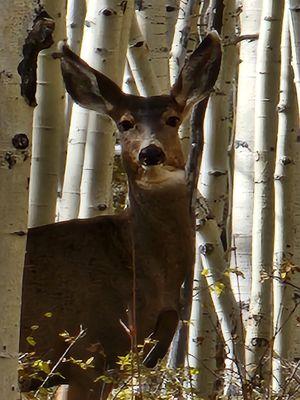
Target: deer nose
x,y
152,155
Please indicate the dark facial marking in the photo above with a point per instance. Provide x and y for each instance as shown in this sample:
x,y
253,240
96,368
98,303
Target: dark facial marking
x,y
125,125
173,121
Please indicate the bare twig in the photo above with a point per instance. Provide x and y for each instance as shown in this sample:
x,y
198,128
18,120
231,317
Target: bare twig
x,y
240,38
80,335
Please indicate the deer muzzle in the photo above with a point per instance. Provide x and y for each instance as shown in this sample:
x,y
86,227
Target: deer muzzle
x,y
151,155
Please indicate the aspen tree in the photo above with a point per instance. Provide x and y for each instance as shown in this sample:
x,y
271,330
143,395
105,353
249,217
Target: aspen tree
x,y
76,12
129,85
151,16
215,271
48,127
213,182
186,23
202,332
243,180
294,20
172,7
284,214
202,23
139,60
112,34
186,14
188,38
101,15
20,22
259,330
294,7
69,203
296,228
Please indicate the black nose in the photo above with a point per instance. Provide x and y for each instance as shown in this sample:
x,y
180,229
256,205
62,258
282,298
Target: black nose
x,y
151,155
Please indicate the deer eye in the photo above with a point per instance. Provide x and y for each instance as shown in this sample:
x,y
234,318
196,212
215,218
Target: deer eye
x,y
125,125
173,121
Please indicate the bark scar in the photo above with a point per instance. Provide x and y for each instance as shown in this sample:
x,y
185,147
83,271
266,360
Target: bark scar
x,y
38,38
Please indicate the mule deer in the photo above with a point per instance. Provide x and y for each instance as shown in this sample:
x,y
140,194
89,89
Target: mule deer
x,y
82,270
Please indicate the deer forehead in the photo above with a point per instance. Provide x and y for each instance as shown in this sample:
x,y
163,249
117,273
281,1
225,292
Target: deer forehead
x,y
151,110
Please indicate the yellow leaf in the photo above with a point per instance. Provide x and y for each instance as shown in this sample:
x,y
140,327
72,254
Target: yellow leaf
x,y
89,360
48,314
31,340
204,272
219,288
34,327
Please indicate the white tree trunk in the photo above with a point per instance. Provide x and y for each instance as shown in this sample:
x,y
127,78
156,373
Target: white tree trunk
x,y
15,137
48,127
216,271
243,173
203,18
202,333
284,214
76,11
296,226
152,21
69,204
294,6
186,14
112,40
129,85
192,41
138,56
218,122
172,7
259,330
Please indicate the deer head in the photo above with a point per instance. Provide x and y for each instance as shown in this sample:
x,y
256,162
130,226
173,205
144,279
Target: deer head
x,y
148,126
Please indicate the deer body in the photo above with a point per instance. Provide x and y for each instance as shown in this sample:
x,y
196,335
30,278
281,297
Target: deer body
x,y
82,271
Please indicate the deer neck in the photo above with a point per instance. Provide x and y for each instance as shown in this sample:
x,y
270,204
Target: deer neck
x,y
162,231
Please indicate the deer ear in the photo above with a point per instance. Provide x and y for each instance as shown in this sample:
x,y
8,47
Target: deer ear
x,y
88,87
199,73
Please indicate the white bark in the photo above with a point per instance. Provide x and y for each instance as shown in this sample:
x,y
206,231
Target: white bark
x,y
172,7
186,14
15,119
284,214
216,272
202,333
243,179
48,127
203,18
138,56
294,6
129,85
218,123
152,21
76,11
192,41
69,203
96,197
259,330
296,226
